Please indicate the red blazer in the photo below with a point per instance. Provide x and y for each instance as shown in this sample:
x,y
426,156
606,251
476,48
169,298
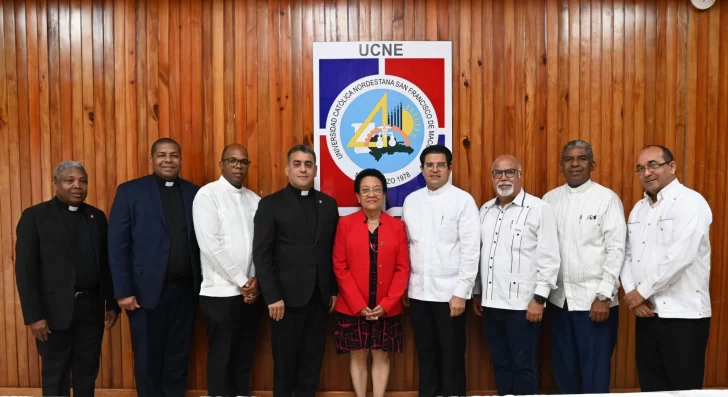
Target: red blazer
x,y
351,264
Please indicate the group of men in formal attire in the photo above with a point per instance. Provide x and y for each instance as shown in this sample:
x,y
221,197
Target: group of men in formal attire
x,y
170,245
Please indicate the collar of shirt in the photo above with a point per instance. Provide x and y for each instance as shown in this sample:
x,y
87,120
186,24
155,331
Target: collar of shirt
x,y
581,188
65,206
666,192
162,182
228,187
299,192
444,189
518,200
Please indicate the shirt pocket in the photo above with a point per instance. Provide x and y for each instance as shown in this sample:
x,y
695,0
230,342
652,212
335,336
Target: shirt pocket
x,y
632,233
589,230
519,286
664,231
447,232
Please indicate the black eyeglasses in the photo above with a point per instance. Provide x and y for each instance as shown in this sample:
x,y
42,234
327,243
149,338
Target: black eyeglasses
x,y
232,161
652,165
510,173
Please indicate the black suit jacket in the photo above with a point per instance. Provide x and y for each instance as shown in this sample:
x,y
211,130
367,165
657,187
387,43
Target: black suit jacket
x,y
286,263
44,264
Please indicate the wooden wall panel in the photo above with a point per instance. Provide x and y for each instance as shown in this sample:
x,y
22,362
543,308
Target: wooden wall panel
x,y
98,81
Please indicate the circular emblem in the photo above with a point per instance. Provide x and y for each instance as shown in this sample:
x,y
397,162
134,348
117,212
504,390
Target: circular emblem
x,y
382,122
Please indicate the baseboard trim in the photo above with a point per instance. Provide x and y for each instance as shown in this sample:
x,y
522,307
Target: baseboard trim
x,y
25,392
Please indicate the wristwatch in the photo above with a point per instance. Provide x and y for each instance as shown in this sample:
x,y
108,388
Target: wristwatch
x,y
603,298
539,299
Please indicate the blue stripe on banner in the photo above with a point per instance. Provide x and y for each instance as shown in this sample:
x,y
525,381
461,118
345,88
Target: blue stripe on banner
x,y
396,195
335,75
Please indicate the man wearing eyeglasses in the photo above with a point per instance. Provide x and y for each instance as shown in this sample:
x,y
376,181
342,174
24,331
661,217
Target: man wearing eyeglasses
x,y
519,264
583,315
223,213
444,235
666,276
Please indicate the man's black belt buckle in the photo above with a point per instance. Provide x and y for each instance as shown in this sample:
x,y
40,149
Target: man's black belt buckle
x,y
84,293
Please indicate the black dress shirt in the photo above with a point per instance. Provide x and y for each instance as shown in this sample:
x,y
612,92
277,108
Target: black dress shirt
x,y
179,265
310,211
84,250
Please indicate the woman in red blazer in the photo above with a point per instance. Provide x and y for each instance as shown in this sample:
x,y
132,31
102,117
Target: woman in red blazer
x,y
371,263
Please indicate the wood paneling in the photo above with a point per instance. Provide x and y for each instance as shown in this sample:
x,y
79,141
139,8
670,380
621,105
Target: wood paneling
x,y
98,81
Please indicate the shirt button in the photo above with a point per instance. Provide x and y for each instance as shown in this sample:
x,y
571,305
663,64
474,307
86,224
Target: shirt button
x,y
492,267
380,265
489,282
638,261
643,242
380,282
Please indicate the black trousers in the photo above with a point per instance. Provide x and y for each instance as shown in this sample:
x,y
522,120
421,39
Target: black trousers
x,y
232,329
670,353
72,355
298,342
161,339
440,343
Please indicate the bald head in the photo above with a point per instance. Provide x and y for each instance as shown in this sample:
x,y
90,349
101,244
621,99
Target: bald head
x,y
233,147
505,162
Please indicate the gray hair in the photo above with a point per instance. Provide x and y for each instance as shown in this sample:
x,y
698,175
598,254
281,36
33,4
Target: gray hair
x,y
64,165
301,148
579,143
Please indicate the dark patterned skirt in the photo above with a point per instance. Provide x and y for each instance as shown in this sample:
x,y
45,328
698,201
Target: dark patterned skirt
x,y
355,333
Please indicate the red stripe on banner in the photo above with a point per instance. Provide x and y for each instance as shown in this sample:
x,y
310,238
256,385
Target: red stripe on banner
x,y
334,182
426,73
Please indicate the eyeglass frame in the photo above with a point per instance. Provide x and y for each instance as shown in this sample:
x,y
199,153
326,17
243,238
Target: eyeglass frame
x,y
505,172
651,165
440,166
377,191
234,161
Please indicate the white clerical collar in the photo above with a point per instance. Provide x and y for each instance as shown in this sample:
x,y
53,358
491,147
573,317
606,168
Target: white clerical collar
x,y
304,192
72,208
168,184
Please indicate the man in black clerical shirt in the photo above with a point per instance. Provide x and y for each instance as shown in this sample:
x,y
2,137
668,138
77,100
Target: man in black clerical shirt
x,y
292,246
155,266
64,283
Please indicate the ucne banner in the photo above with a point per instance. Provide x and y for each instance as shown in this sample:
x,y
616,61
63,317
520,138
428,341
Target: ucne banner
x,y
379,105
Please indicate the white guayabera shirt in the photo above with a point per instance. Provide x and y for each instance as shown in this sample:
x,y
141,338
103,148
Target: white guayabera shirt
x,y
668,252
592,233
223,217
444,241
519,254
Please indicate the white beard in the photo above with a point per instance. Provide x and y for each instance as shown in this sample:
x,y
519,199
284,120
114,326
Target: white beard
x,y
505,191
